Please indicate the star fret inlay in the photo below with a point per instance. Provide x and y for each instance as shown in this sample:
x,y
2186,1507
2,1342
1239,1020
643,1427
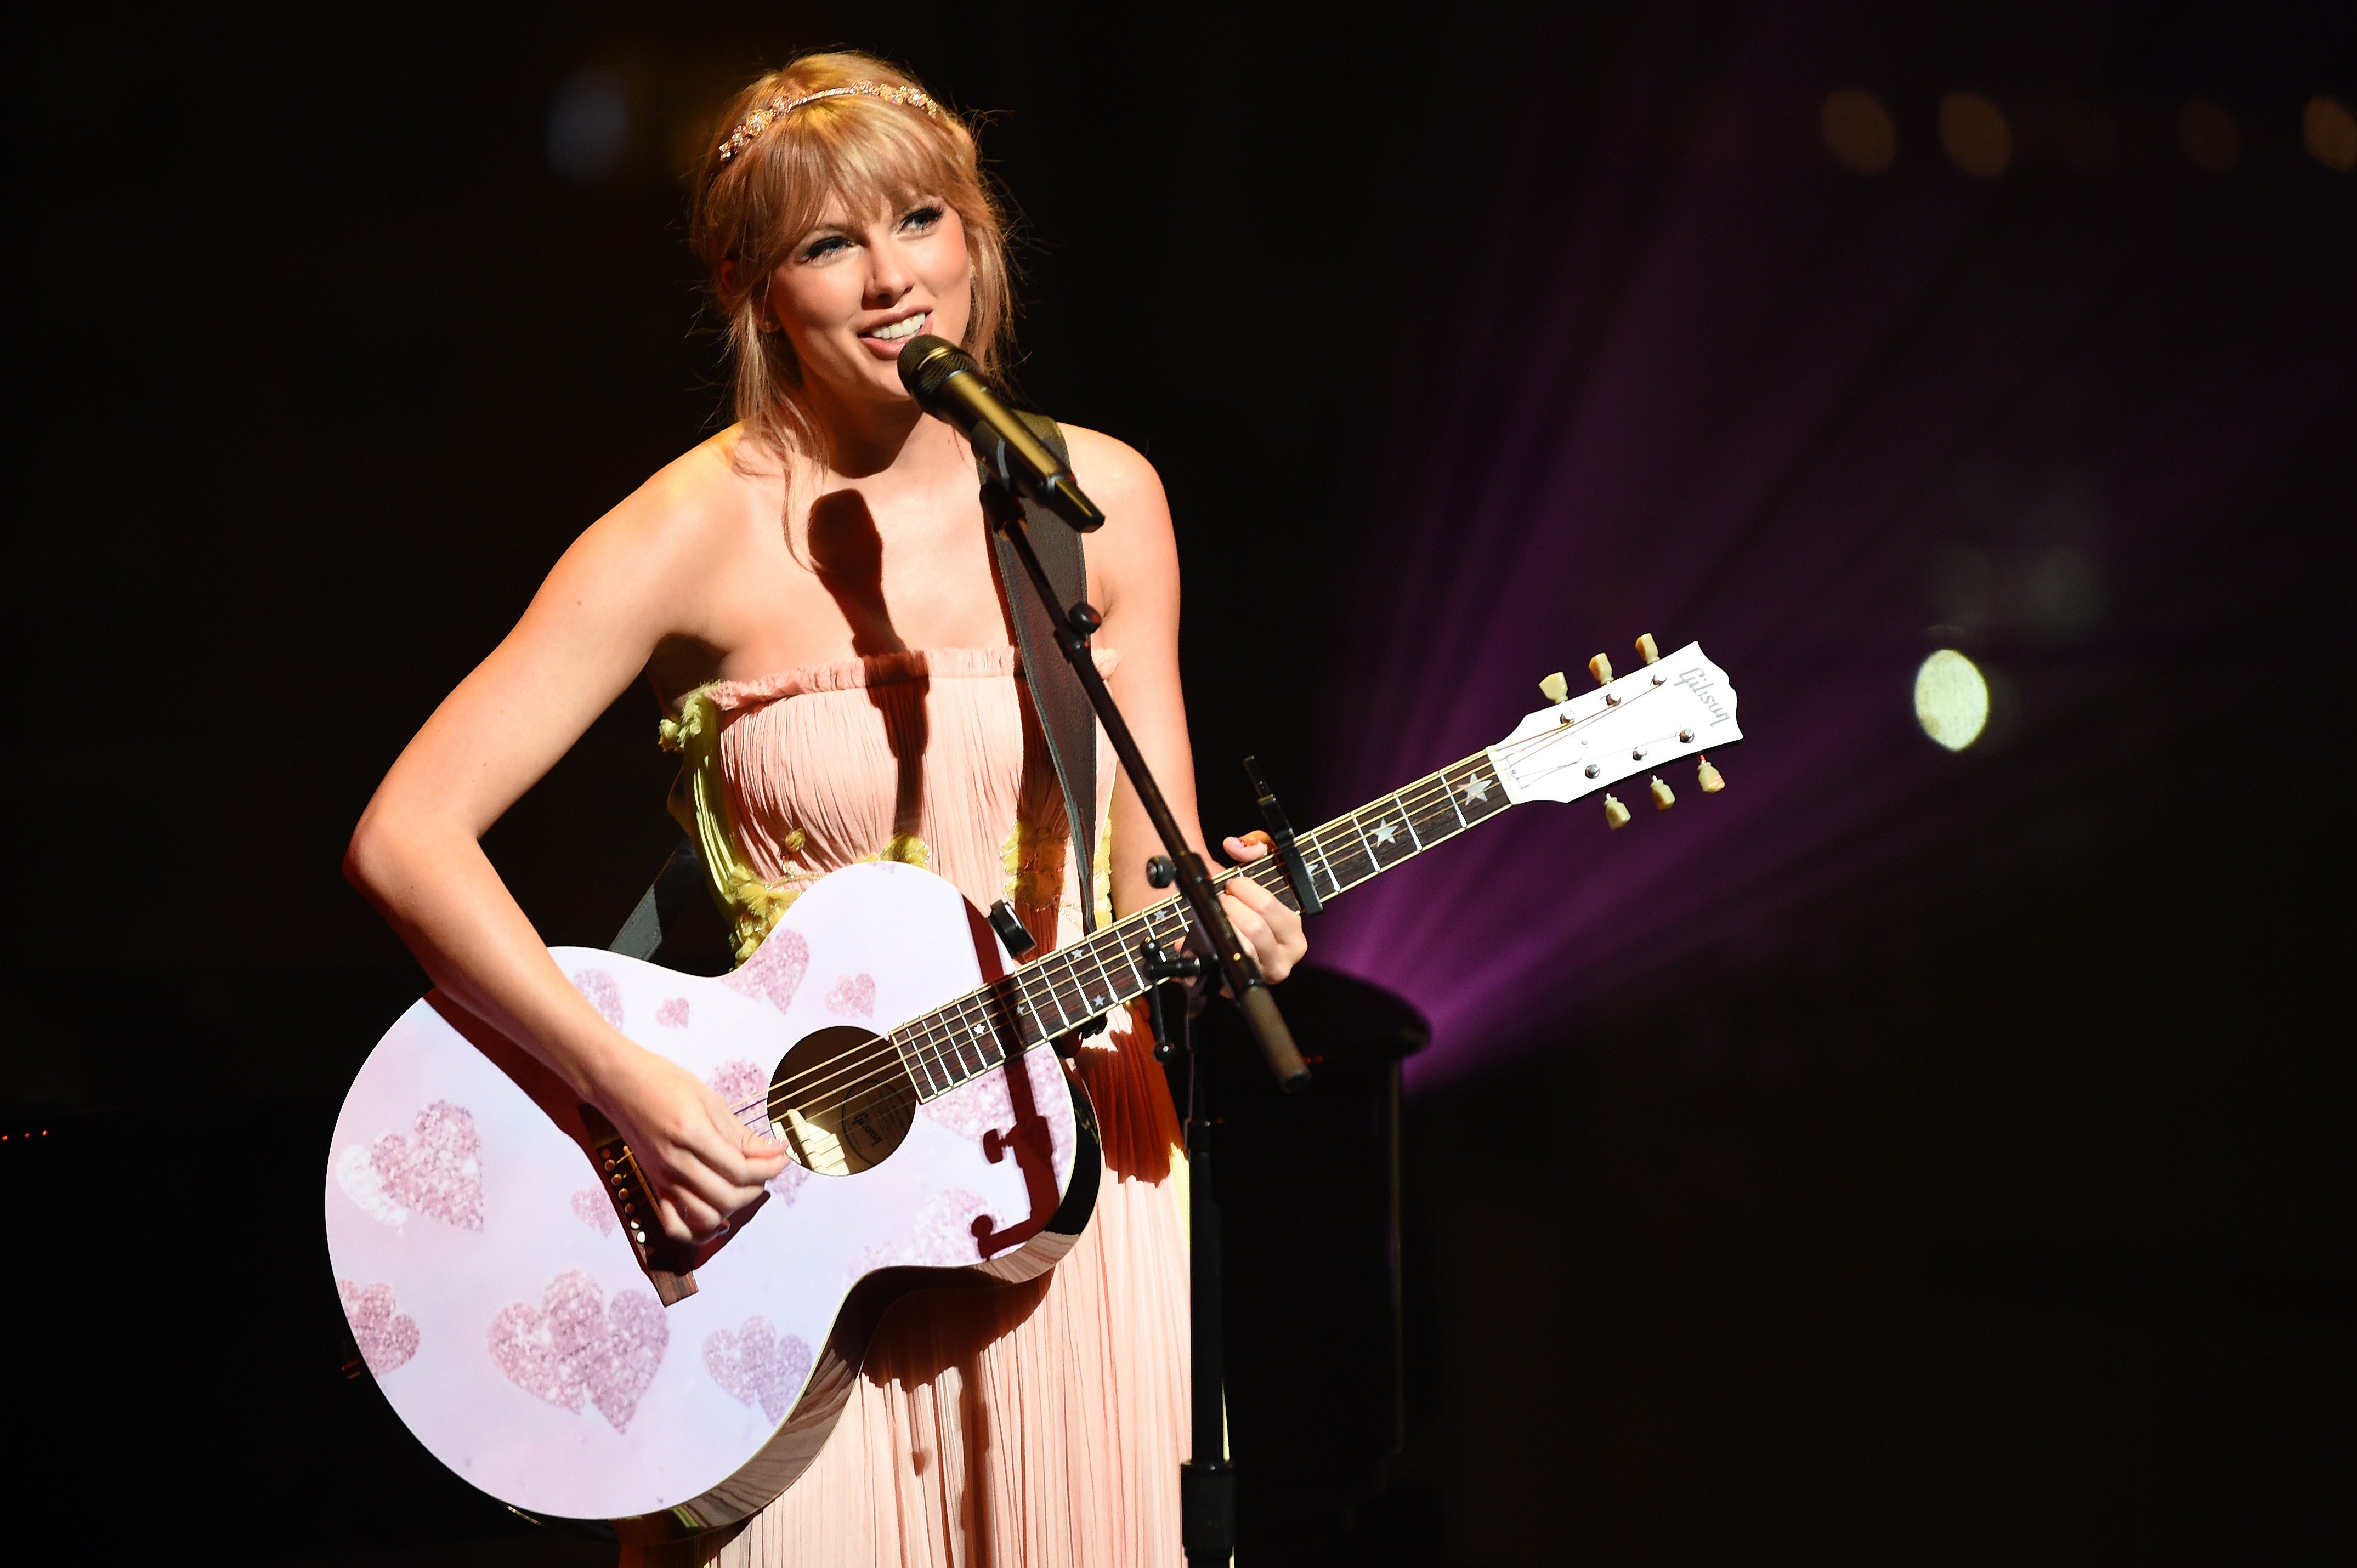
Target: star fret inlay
x,y
1383,833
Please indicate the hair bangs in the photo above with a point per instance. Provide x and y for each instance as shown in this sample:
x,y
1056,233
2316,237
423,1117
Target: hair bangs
x,y
867,153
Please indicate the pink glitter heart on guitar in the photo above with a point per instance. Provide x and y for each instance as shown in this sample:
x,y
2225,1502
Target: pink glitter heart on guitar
x,y
756,1362
437,1171
575,1345
386,1339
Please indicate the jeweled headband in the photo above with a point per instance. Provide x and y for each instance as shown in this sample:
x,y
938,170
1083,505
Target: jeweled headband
x,y
750,128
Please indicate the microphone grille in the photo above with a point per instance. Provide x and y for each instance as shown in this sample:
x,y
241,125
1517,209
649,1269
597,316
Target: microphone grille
x,y
928,363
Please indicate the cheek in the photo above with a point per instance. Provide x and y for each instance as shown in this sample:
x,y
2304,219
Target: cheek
x,y
814,298
950,273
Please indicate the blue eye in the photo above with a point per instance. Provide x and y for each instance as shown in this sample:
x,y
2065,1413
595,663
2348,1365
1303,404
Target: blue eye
x,y
922,218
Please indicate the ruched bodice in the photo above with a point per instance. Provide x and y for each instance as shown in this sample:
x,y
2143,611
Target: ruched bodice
x,y
930,756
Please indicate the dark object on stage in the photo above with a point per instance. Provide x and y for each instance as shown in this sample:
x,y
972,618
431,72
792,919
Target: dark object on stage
x,y
675,923
948,384
1308,1188
1280,835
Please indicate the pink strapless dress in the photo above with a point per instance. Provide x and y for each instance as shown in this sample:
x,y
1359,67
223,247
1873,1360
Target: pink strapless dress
x,y
1034,1426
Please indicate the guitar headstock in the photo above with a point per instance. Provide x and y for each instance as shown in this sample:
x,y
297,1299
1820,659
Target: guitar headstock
x,y
1671,707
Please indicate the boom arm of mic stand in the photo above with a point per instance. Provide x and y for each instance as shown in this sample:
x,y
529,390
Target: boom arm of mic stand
x,y
1074,623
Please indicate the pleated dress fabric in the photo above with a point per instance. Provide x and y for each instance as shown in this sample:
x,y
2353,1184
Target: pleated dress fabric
x,y
1039,1425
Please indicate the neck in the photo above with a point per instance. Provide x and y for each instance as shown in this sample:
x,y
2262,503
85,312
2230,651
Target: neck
x,y
864,436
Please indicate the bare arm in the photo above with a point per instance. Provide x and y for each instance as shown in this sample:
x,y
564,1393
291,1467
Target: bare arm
x,y
1134,572
624,585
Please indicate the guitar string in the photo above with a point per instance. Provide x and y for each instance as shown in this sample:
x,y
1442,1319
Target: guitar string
x,y
878,1067
873,1064
1139,923
856,1069
874,1067
854,1066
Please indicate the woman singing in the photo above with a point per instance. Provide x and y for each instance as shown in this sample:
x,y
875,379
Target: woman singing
x,y
811,593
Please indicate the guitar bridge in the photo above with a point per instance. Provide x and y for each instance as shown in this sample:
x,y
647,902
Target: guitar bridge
x,y
670,1266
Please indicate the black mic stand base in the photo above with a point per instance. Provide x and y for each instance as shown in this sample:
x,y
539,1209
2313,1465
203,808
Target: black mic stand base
x,y
1207,1482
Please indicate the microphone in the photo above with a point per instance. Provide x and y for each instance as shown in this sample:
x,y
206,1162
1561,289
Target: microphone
x,y
948,384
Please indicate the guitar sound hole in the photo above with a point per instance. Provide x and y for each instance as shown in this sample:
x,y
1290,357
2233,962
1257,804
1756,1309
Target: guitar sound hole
x,y
843,1101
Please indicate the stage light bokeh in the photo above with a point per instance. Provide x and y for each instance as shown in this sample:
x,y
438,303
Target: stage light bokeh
x,y
1951,699
1974,135
1858,131
2329,133
2207,132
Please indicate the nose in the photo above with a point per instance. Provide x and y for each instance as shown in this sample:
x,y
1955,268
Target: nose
x,y
889,275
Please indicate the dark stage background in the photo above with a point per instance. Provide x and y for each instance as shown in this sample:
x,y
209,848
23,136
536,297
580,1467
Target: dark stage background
x,y
1902,1156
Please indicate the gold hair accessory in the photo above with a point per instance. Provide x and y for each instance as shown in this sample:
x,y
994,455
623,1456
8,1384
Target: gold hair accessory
x,y
749,128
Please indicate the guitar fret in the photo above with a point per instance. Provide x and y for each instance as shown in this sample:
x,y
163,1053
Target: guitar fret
x,y
913,1054
1126,982
1005,1018
1071,992
1407,818
944,1029
972,1031
1031,992
1102,999
941,1039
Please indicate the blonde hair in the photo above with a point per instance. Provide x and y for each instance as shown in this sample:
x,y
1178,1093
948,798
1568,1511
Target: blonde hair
x,y
752,206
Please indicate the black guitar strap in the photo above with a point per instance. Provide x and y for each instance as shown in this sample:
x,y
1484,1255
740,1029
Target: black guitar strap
x,y
1065,716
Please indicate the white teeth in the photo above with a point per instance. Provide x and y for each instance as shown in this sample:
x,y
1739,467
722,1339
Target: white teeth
x,y
899,329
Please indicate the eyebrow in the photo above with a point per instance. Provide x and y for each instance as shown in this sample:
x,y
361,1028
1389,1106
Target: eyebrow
x,y
824,229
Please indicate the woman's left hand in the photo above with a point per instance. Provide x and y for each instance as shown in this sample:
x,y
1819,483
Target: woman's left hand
x,y
1269,930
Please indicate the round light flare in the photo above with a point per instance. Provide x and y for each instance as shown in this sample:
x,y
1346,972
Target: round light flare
x,y
1951,699
2330,132
1858,131
1975,136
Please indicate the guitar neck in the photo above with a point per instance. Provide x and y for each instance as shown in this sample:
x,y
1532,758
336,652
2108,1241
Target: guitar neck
x,y
1056,994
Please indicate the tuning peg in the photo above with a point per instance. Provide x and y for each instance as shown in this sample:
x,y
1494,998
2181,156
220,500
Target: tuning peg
x,y
1663,799
1616,815
1711,782
1645,646
1556,687
1601,668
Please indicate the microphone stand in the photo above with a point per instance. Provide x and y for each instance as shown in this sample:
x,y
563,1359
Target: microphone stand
x,y
1207,1482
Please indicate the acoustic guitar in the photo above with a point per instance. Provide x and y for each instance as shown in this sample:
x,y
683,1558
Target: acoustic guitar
x,y
491,1235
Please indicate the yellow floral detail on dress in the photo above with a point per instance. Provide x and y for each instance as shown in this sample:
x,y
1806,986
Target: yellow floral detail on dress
x,y
1104,867
1036,856
699,803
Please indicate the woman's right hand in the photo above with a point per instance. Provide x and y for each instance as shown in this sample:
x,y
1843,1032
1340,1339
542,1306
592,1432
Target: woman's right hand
x,y
701,1162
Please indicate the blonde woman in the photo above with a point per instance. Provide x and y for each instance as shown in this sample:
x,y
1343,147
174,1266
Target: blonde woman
x,y
810,593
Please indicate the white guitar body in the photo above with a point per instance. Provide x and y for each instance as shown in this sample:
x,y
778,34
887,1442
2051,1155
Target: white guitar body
x,y
492,1281
487,1234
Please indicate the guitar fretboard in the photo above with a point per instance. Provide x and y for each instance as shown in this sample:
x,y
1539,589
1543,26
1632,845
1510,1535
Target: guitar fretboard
x,y
954,1044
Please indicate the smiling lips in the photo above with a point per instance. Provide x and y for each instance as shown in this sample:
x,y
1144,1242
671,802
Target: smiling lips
x,y
900,331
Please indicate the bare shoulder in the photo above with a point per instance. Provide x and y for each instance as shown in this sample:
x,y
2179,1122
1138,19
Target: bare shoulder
x,y
1135,556
1115,474
690,509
